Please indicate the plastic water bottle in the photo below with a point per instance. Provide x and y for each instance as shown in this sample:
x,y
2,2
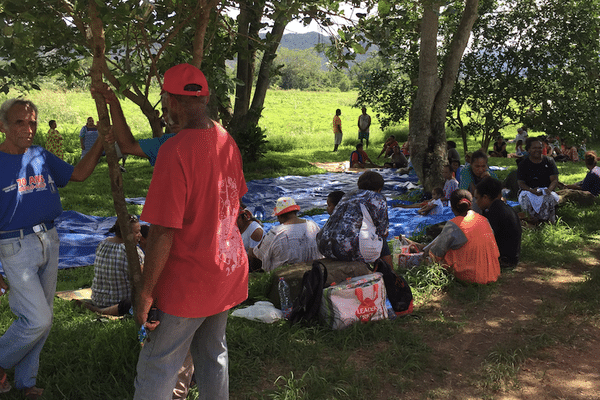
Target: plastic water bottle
x,y
259,213
285,298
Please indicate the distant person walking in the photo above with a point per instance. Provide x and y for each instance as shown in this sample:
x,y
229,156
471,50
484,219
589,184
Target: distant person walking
x,y
87,136
54,143
364,123
337,129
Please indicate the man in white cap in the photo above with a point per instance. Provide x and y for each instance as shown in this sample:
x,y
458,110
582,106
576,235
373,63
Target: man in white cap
x,y
293,241
196,268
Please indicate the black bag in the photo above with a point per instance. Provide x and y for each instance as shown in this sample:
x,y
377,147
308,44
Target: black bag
x,y
306,306
398,290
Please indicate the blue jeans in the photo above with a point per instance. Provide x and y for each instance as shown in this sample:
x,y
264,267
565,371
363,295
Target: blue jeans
x,y
31,265
166,348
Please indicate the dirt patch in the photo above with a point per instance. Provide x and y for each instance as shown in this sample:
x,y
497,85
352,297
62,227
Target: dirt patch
x,y
507,324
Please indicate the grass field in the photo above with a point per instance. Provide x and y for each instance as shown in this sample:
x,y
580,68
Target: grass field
x,y
87,357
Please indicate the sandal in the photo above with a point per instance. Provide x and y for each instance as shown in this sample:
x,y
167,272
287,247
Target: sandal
x,y
33,393
4,383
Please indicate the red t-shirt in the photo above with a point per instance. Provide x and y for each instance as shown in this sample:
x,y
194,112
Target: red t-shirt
x,y
196,188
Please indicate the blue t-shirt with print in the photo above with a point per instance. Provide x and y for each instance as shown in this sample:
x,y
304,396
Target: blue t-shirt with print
x,y
150,146
28,187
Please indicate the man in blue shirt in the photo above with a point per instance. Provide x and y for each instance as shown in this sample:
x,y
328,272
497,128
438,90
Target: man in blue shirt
x,y
29,203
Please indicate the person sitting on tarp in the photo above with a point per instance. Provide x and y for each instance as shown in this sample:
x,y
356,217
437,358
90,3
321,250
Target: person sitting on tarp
x,y
111,289
358,228
293,241
360,159
252,233
398,159
466,246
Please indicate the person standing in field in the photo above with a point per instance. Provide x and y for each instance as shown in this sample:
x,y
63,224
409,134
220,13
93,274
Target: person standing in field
x,y
337,129
196,268
87,136
29,203
54,143
364,123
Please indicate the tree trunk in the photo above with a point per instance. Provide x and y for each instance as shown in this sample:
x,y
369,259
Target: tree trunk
x,y
116,180
427,127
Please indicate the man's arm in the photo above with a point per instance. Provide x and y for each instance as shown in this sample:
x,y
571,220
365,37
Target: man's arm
x,y
553,183
160,240
122,132
86,165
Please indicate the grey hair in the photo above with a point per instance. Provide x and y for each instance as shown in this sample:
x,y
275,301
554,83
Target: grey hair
x,y
7,105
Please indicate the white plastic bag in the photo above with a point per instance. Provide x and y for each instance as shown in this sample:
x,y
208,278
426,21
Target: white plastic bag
x,y
263,311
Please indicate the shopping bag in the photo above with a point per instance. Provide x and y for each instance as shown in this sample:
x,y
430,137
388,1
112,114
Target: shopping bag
x,y
360,299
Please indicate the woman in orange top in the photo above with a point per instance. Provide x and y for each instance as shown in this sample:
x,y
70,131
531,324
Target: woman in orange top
x,y
467,246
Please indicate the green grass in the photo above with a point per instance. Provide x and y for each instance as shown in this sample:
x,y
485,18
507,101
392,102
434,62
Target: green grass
x,y
93,358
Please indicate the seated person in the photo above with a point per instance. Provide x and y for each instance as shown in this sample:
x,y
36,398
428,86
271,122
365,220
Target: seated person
x,y
466,246
293,241
451,183
388,146
571,152
452,152
499,148
358,228
111,289
456,169
252,233
503,219
591,182
537,177
333,199
473,173
433,206
360,159
398,159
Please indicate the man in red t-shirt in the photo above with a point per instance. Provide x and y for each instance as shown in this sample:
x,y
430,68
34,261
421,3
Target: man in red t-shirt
x,y
196,267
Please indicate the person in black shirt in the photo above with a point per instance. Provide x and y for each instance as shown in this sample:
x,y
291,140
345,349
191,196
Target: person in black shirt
x,y
503,219
537,177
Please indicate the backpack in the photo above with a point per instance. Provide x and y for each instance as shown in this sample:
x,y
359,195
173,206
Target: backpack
x,y
397,288
306,306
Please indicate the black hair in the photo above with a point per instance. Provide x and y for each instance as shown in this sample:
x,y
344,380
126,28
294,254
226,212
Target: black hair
x,y
252,217
461,201
530,141
335,197
359,145
116,228
451,144
50,122
489,187
370,180
144,230
439,191
478,154
338,111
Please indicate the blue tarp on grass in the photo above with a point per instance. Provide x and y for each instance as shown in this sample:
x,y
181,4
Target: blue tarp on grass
x,y
80,234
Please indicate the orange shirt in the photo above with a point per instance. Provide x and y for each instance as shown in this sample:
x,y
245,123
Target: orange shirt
x,y
337,124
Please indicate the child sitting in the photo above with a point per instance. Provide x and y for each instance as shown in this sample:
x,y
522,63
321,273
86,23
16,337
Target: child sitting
x,y
451,183
431,207
503,220
333,199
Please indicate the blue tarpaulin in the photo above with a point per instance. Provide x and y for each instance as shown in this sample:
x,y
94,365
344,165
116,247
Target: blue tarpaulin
x,y
80,234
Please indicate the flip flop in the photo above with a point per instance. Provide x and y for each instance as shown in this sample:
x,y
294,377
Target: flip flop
x,y
33,393
4,383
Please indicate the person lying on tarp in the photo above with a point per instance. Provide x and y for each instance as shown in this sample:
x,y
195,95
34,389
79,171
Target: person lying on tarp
x,y
358,228
292,241
466,246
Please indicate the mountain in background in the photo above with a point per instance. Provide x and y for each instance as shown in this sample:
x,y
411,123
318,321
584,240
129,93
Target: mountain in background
x,y
303,41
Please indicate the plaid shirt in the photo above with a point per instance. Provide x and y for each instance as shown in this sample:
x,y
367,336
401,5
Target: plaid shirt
x,y
111,278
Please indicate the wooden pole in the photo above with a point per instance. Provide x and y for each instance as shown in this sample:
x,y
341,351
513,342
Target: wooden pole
x,y
116,179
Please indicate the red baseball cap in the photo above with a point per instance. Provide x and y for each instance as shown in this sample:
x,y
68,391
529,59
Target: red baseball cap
x,y
177,77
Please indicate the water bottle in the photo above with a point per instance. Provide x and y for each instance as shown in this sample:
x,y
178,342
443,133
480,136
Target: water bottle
x,y
285,298
259,213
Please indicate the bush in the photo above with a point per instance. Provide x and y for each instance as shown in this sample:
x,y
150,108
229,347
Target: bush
x,y
252,143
